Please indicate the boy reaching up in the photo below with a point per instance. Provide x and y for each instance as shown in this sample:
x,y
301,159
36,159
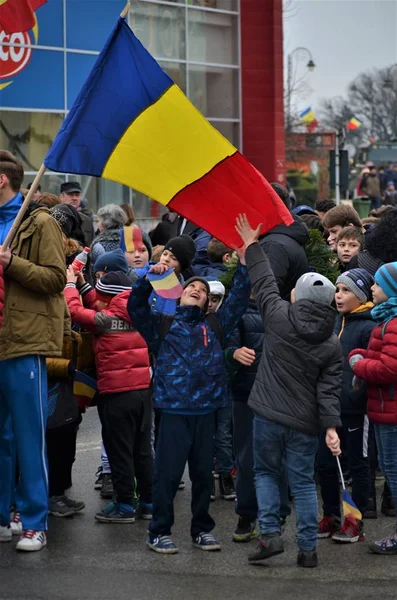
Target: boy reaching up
x,y
190,384
295,394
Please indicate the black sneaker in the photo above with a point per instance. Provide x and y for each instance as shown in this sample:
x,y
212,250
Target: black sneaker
x,y
107,489
269,545
371,512
245,530
213,489
388,507
307,559
226,486
99,478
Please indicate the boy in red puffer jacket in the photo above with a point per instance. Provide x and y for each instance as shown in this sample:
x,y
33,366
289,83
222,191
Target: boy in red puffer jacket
x,y
123,370
377,366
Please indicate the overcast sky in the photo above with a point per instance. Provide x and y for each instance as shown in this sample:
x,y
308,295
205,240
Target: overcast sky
x,y
345,37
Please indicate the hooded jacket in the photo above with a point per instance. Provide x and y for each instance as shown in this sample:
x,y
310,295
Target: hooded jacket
x,y
190,375
299,376
379,370
354,331
121,355
284,248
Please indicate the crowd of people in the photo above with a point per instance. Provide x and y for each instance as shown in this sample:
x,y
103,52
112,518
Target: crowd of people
x,y
259,375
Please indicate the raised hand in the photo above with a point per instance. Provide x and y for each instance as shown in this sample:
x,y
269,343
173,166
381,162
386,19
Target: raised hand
x,y
245,231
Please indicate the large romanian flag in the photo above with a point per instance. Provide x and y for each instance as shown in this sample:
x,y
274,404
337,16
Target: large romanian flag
x,y
132,124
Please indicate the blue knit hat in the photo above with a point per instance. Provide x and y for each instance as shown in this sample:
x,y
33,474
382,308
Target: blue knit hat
x,y
386,278
358,281
112,261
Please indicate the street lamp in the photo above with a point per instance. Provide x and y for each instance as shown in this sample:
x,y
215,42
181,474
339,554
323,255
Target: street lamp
x,y
388,81
310,67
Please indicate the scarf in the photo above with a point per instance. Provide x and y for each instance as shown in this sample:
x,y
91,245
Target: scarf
x,y
385,311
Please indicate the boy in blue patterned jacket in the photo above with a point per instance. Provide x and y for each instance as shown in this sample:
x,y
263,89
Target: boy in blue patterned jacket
x,y
190,384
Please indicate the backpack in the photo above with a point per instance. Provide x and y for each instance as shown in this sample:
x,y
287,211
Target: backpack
x,y
167,320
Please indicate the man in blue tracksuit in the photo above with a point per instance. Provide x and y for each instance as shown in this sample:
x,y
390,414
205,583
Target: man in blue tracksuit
x,y
190,384
32,328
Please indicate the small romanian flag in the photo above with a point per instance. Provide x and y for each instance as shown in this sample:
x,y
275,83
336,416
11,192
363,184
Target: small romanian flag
x,y
349,508
132,124
166,285
84,386
353,124
308,117
130,238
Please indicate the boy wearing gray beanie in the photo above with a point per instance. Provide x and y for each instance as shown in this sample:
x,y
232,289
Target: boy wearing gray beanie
x,y
295,396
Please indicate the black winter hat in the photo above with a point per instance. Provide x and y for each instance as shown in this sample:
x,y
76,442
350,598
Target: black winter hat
x,y
113,283
183,248
69,221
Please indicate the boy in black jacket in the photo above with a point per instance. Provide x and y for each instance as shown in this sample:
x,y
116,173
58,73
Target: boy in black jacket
x,y
353,328
295,395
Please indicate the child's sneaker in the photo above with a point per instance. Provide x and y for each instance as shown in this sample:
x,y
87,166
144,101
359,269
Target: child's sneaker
x,y
75,505
306,559
206,541
58,508
114,512
352,531
245,530
269,545
162,544
328,526
386,546
5,533
144,511
16,523
31,541
226,486
99,478
107,490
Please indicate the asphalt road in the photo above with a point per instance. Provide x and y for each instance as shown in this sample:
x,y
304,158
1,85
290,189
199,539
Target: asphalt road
x,y
91,561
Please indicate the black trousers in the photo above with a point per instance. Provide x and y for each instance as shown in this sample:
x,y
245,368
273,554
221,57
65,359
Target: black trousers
x,y
61,453
183,438
243,418
126,429
354,436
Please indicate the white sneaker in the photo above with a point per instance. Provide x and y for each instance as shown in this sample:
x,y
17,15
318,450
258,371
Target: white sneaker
x,y
16,523
31,541
5,533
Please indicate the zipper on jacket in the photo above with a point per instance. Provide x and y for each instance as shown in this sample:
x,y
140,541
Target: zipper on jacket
x,y
205,336
382,401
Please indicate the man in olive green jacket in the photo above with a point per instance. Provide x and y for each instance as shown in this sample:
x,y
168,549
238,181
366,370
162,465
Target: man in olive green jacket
x,y
32,328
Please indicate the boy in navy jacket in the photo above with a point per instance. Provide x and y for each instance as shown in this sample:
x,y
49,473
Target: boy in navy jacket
x,y
190,384
353,328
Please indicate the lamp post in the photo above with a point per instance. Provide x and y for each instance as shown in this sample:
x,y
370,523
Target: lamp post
x,y
310,66
388,81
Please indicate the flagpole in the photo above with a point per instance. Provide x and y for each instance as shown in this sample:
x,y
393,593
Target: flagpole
x,y
24,207
341,474
125,10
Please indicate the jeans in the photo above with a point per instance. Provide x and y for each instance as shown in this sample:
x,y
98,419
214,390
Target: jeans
x,y
386,440
224,440
277,447
354,436
183,438
246,505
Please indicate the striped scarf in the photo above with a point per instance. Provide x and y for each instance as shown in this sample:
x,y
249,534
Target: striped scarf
x,y
384,312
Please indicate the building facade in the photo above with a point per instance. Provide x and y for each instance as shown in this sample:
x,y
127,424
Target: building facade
x,y
226,55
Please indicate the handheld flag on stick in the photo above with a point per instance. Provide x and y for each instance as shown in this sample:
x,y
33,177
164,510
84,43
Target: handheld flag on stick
x,y
154,140
84,387
354,124
349,508
166,285
130,238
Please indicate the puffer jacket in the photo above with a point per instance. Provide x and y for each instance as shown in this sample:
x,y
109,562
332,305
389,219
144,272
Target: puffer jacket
x,y
34,282
379,370
190,374
121,354
284,247
353,331
299,376
249,333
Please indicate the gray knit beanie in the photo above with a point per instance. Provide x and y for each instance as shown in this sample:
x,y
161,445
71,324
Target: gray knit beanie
x,y
315,287
358,281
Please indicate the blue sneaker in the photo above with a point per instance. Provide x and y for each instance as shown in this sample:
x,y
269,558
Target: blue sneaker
x,y
144,511
162,544
206,541
116,513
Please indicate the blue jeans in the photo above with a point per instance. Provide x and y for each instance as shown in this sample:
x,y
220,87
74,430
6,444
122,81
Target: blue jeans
x,y
277,447
386,440
223,440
